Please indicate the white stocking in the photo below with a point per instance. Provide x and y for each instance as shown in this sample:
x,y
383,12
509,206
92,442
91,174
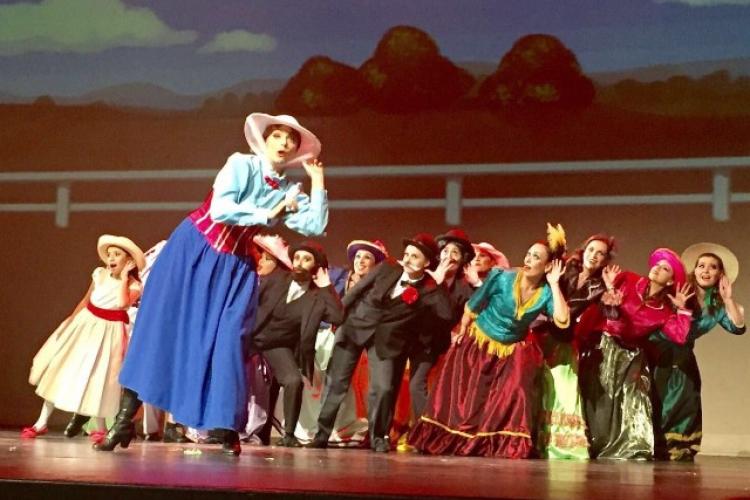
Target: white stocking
x,y
47,408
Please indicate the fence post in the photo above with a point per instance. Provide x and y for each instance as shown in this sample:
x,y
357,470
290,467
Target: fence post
x,y
453,187
62,210
721,194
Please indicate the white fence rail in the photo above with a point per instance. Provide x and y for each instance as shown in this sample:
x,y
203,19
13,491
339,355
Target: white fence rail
x,y
718,195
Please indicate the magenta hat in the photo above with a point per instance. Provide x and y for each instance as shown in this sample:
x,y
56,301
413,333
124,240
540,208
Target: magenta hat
x,y
678,268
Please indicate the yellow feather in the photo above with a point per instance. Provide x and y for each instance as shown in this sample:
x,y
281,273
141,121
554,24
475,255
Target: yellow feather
x,y
556,237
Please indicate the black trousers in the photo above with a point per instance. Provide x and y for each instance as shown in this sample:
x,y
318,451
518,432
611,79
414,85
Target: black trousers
x,y
420,364
287,374
383,375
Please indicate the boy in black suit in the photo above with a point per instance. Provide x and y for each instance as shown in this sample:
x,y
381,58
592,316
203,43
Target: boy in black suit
x,y
383,312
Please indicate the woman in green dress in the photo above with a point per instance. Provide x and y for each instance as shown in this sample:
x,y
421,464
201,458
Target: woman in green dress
x,y
677,381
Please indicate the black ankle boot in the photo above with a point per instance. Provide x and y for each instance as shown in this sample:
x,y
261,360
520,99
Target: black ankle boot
x,y
123,430
231,442
289,441
175,433
319,441
75,426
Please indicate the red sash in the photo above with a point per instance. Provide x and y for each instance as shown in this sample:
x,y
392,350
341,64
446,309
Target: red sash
x,y
109,314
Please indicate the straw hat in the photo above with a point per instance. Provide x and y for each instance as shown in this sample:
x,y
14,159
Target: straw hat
x,y
274,245
108,240
731,264
256,124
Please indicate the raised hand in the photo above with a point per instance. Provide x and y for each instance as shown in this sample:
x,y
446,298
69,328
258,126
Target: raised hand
x,y
609,274
439,273
725,288
313,168
321,278
129,266
553,275
471,275
612,298
290,197
680,298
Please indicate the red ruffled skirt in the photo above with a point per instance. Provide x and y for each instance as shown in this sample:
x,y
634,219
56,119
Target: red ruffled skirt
x,y
485,401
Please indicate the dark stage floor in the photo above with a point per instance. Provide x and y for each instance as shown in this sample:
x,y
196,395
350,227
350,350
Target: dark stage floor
x,y
55,467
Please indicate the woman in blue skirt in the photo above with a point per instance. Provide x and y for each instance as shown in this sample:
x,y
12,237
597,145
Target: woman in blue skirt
x,y
186,352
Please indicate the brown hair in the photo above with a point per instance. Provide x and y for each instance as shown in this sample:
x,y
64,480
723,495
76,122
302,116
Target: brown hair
x,y
296,136
577,254
715,302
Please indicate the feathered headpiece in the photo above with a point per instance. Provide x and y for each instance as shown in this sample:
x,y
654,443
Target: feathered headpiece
x,y
556,240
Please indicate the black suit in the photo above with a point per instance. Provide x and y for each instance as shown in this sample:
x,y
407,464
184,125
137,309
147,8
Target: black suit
x,y
386,327
434,339
287,349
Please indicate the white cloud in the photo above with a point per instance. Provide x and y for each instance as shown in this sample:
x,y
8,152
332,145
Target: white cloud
x,y
84,26
707,3
239,41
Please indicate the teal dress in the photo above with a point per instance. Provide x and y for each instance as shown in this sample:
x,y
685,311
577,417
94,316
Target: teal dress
x,y
677,385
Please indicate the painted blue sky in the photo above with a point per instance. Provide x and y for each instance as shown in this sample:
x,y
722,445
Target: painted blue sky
x,y
68,47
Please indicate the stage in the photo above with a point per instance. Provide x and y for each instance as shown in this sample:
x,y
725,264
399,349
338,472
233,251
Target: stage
x,y
52,466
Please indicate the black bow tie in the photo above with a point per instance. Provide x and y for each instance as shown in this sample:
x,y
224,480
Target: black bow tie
x,y
407,283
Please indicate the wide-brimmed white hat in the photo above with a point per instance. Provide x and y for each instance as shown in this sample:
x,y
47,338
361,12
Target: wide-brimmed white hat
x,y
256,124
499,257
276,246
731,264
109,240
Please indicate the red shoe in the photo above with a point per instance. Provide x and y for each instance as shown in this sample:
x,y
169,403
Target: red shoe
x,y
97,437
31,432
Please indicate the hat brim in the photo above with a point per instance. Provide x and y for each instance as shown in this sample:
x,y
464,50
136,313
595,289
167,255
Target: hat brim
x,y
499,257
465,245
256,124
357,245
427,251
278,252
108,240
728,258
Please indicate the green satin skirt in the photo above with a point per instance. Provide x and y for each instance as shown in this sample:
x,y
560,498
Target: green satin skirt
x,y
678,420
615,385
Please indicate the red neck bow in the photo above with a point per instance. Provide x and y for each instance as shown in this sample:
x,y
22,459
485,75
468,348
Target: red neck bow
x,y
273,183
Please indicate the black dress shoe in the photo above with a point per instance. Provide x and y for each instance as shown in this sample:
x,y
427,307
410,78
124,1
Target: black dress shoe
x,y
75,426
289,441
320,441
174,433
380,445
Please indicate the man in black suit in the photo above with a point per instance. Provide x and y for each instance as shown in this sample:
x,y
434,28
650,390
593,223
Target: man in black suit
x,y
384,311
290,309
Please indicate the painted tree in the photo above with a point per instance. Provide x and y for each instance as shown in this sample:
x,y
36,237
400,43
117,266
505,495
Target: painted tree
x,y
322,86
407,73
538,72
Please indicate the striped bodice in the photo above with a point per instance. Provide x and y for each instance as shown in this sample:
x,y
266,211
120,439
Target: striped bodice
x,y
226,238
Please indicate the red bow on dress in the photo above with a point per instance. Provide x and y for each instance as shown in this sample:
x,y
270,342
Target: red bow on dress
x,y
273,183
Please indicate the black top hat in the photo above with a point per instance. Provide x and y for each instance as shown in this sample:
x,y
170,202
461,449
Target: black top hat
x,y
427,245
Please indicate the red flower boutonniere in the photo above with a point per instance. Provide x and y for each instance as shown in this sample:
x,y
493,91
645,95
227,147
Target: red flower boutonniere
x,y
273,183
410,295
